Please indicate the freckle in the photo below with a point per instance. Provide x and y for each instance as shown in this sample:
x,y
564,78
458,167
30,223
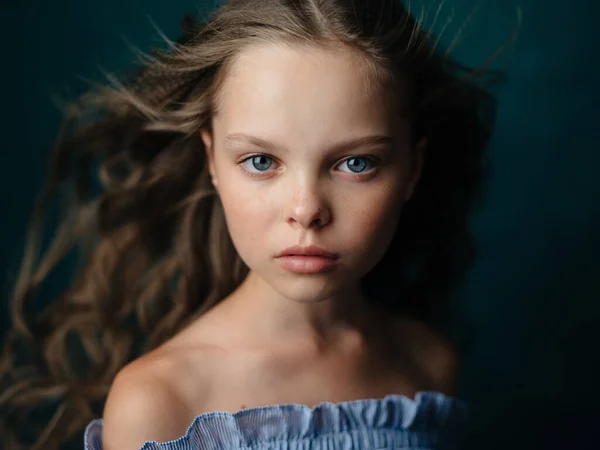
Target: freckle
x,y
243,407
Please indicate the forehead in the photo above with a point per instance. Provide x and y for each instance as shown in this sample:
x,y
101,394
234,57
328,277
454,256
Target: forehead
x,y
302,91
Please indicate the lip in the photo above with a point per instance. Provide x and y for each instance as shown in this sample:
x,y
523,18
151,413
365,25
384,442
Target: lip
x,y
311,250
307,260
306,264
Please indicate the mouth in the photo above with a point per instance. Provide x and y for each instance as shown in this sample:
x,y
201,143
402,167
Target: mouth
x,y
308,251
307,260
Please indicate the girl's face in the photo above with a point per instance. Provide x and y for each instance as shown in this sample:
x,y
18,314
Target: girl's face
x,y
304,152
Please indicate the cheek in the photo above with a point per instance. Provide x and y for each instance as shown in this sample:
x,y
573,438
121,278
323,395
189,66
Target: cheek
x,y
247,218
371,224
377,217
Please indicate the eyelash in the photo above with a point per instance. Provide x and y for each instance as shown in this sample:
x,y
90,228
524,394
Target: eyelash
x,y
373,161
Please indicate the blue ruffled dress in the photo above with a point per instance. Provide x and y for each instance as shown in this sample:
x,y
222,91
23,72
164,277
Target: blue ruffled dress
x,y
432,421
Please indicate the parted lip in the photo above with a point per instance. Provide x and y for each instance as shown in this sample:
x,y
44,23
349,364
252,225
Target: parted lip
x,y
311,250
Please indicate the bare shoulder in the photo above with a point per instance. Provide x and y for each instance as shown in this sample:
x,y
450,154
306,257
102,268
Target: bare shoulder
x,y
147,402
434,353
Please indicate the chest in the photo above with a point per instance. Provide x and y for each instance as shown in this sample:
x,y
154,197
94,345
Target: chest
x,y
280,381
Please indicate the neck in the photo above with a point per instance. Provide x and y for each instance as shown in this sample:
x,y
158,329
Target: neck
x,y
316,325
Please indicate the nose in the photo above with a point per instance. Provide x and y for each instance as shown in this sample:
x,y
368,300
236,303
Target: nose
x,y
308,208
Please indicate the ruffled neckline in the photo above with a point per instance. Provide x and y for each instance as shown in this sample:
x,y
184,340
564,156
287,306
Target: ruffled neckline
x,y
429,412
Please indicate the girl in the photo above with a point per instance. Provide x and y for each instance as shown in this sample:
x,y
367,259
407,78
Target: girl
x,y
282,212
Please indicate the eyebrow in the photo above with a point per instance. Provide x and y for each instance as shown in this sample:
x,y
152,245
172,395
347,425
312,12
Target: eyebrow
x,y
243,138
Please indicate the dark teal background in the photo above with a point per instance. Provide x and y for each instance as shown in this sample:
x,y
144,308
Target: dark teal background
x,y
533,295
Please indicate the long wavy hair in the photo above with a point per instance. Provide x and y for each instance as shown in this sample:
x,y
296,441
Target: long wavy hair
x,y
142,218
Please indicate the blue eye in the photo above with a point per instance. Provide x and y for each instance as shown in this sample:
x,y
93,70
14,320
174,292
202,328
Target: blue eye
x,y
357,164
260,163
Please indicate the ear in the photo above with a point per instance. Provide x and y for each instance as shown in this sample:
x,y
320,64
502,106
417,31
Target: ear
x,y
207,139
418,160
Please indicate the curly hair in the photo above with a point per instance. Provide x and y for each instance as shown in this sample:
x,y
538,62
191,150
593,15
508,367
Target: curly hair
x,y
141,215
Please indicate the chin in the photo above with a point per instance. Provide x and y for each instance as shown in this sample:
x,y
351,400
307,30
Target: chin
x,y
306,289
